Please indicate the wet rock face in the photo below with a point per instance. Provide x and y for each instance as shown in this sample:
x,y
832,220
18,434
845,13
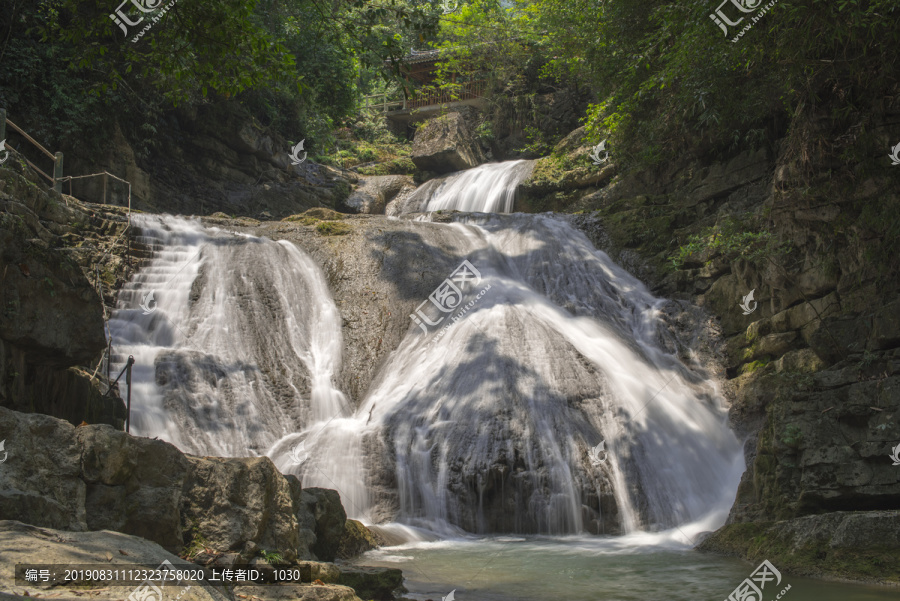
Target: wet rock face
x,y
51,315
49,310
446,144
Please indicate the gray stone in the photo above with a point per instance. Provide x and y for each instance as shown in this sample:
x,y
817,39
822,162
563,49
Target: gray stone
x,y
239,500
446,144
39,481
373,195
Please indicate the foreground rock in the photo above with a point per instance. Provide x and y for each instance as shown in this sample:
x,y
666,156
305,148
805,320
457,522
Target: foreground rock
x,y
26,544
851,545
446,144
98,478
22,543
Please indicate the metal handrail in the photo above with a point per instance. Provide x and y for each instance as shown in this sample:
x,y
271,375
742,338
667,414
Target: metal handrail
x,y
106,175
127,371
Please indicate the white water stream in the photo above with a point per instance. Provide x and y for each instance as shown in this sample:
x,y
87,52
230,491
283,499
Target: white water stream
x,y
483,427
489,188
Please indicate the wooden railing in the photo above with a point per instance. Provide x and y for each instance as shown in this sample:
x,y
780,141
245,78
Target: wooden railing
x,y
467,91
456,93
56,158
380,103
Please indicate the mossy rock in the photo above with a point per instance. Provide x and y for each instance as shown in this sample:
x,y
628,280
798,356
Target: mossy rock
x,y
314,216
333,228
847,545
401,166
357,540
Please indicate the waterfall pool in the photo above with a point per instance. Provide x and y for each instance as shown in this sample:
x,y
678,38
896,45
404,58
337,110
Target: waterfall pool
x,y
639,567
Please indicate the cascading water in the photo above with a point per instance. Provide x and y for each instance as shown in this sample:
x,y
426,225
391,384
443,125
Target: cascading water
x,y
238,345
488,188
485,425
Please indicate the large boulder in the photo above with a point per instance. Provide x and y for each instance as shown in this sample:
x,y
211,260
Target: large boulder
x,y
40,480
134,485
240,504
446,144
357,540
376,192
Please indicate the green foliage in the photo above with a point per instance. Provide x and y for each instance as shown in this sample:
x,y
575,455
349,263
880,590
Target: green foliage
x,y
732,239
195,542
66,68
792,436
272,557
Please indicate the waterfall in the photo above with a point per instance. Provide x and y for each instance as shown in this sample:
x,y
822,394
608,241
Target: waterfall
x,y
489,188
484,421
238,346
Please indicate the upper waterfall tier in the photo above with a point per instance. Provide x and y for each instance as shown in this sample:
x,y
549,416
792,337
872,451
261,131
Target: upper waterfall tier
x,y
489,188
